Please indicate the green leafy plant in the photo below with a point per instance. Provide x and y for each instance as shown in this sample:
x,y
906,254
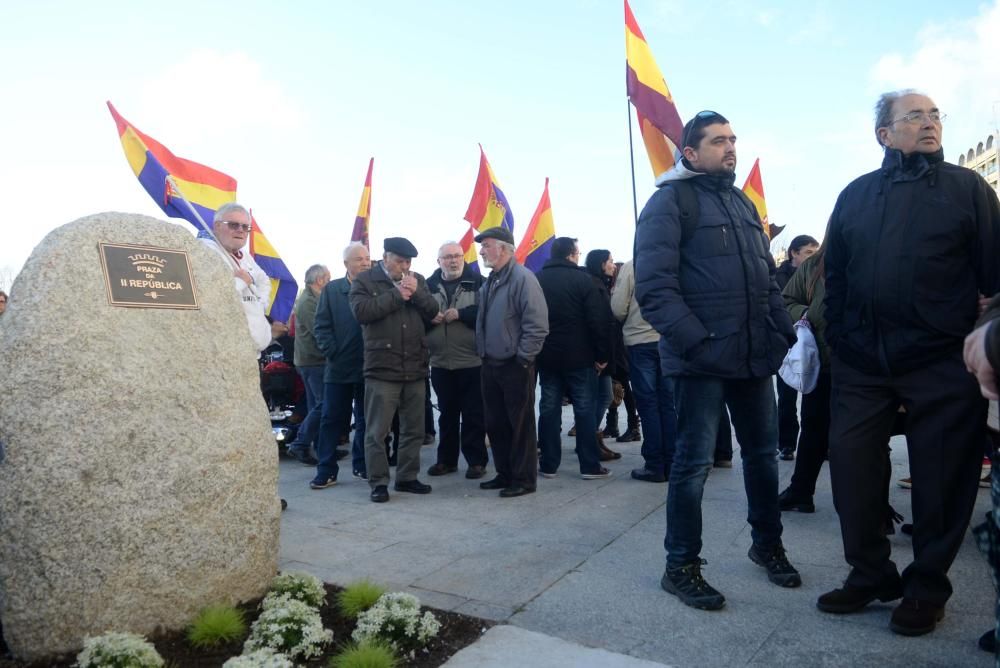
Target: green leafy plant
x,y
358,597
215,625
289,627
395,618
118,650
374,654
299,586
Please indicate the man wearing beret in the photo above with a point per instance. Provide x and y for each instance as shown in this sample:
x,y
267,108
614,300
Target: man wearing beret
x,y
393,307
511,326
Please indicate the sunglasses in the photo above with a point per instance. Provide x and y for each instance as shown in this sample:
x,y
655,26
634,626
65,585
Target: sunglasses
x,y
698,121
236,227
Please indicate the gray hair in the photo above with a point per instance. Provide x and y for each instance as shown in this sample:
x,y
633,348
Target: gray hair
x,y
350,247
228,208
315,272
508,246
448,243
884,109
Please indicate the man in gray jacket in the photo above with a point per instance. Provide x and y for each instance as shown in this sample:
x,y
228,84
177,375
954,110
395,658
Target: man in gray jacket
x,y
455,364
511,327
393,306
309,362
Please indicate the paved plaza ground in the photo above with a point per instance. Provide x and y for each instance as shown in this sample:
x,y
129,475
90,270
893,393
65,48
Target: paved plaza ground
x,y
580,561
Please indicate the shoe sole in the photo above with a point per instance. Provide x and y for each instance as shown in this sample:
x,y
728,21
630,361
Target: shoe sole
x,y
668,587
789,581
412,491
654,480
548,475
847,610
445,472
923,630
595,476
325,485
799,508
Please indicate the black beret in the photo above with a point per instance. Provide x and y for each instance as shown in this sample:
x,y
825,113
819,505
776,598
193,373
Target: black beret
x,y
400,246
498,232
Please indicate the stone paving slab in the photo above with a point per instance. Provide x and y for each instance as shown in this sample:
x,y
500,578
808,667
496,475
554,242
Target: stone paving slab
x,y
580,561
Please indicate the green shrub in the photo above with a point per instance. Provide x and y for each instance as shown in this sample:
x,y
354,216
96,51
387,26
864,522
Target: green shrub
x,y
366,655
299,586
358,597
118,650
215,625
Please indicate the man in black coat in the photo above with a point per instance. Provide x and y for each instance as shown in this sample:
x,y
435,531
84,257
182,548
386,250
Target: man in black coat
x,y
576,349
910,249
707,285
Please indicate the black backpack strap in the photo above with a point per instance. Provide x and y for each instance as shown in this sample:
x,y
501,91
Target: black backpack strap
x,y
687,204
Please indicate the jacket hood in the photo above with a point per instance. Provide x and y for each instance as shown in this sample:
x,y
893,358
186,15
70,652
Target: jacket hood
x,y
678,172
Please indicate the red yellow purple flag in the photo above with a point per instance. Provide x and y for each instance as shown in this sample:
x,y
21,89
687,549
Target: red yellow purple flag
x,y
535,246
754,189
206,189
469,249
488,206
659,122
362,220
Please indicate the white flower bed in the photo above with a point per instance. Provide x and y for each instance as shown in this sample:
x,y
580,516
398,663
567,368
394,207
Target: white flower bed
x,y
289,627
118,650
261,658
396,619
300,586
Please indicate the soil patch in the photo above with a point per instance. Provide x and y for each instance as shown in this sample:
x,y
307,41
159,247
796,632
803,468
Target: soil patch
x,y
457,631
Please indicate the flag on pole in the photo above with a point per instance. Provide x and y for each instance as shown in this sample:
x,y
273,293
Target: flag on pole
x,y
362,220
659,122
284,289
206,190
469,249
488,207
535,246
754,189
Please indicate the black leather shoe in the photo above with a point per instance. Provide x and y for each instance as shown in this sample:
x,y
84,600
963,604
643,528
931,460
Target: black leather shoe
x,y
648,475
915,618
988,642
850,599
341,453
475,472
788,502
412,486
380,494
441,469
629,436
516,490
496,483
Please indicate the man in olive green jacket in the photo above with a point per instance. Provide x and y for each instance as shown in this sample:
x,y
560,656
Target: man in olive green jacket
x,y
309,362
393,307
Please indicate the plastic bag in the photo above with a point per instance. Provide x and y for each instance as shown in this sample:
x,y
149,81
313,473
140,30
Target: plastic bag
x,y
800,368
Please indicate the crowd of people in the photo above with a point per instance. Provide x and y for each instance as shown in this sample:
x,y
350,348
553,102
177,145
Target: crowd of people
x,y
689,335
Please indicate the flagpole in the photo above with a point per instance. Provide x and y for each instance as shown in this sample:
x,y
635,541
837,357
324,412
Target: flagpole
x,y
631,157
201,221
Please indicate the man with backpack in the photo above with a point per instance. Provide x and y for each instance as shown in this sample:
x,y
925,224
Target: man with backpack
x,y
705,281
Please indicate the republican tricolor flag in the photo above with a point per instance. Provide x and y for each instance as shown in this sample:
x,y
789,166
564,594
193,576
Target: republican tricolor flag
x,y
754,189
206,189
487,208
536,246
363,219
659,122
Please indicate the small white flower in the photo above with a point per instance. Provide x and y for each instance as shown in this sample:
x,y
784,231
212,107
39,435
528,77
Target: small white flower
x,y
261,658
113,649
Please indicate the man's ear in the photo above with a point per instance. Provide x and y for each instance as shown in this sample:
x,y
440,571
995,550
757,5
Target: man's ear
x,y
690,153
883,136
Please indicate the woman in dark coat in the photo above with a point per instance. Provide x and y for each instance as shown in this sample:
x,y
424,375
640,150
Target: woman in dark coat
x,y
601,267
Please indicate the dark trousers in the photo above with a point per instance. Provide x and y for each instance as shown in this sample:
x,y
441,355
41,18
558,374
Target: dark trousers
x,y
724,439
788,415
580,385
509,403
428,408
945,428
654,395
460,401
814,439
338,399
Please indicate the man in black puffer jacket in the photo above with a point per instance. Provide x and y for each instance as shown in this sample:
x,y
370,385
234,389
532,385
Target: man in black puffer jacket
x,y
707,286
910,249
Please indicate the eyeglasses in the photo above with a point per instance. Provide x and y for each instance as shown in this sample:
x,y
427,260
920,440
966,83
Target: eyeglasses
x,y
915,117
235,227
456,256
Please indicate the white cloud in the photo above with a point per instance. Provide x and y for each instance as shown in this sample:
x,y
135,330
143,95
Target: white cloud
x,y
957,65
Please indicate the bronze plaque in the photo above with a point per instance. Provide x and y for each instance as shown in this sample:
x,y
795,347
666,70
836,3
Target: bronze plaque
x,y
147,277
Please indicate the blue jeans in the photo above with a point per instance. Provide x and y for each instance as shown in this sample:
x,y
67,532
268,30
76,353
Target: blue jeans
x,y
654,401
312,378
337,401
700,401
579,384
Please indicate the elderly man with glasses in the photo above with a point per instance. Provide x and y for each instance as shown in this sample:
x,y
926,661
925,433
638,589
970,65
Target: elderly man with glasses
x,y
231,225
910,250
704,279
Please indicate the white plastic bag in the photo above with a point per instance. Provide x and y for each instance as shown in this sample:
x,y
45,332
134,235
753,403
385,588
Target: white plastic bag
x,y
800,369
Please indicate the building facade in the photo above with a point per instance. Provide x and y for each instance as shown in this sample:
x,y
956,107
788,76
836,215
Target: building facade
x,y
983,159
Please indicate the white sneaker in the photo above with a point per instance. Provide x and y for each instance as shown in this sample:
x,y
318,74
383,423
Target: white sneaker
x,y
600,475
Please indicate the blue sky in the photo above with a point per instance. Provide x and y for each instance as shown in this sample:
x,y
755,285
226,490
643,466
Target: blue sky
x,y
293,98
